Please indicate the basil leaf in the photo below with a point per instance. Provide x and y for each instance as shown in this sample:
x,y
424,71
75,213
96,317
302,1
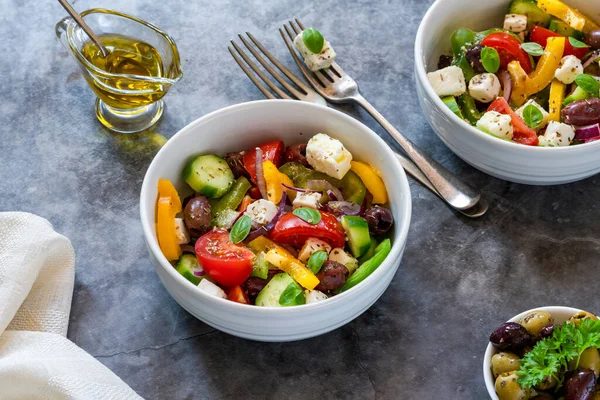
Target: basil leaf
x,y
293,295
241,229
589,84
533,116
576,43
533,48
490,59
316,260
313,40
309,215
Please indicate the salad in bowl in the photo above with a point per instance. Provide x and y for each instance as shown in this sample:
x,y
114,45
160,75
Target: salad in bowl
x,y
534,81
276,226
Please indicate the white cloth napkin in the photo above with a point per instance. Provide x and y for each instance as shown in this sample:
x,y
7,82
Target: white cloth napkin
x,y
37,361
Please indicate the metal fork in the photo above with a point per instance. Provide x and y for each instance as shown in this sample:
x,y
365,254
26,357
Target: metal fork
x,y
336,86
304,93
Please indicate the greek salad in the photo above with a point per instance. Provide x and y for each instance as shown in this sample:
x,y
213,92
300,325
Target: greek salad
x,y
534,81
274,226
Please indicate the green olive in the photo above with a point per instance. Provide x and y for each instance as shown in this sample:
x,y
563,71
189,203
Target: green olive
x,y
504,362
535,321
548,383
590,359
507,387
580,316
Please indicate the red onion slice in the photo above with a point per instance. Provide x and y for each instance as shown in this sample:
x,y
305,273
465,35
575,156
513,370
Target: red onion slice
x,y
322,184
199,272
272,222
341,208
588,133
506,83
262,231
591,59
260,173
295,189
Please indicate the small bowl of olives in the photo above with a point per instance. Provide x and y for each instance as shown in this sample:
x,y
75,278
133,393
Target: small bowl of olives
x,y
575,377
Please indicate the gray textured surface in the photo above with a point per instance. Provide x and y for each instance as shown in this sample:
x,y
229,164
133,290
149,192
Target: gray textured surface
x,y
424,339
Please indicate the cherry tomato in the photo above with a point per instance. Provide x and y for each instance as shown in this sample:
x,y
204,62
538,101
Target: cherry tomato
x,y
236,294
521,132
290,229
540,36
227,263
509,49
272,151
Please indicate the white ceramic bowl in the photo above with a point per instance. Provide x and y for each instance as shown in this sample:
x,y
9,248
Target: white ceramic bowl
x,y
560,314
237,128
499,158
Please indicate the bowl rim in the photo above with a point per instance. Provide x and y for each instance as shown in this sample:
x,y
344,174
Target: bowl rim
x,y
426,23
397,246
487,358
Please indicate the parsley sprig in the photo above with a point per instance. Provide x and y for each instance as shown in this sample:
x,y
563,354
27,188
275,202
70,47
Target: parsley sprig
x,y
553,354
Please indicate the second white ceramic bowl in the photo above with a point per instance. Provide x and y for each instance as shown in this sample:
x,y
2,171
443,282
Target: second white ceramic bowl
x,y
502,159
240,127
560,314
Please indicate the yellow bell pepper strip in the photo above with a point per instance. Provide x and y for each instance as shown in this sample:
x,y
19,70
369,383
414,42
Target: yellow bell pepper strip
x,y
519,79
527,85
166,189
274,180
557,96
570,15
285,261
165,229
370,177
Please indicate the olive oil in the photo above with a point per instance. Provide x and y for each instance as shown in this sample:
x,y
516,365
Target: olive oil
x,y
129,60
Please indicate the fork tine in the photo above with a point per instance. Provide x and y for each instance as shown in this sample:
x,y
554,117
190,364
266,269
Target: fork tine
x,y
273,73
279,65
314,81
334,67
259,72
250,75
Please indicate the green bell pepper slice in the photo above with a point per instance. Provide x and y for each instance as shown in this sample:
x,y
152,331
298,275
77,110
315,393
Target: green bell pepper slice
x,y
232,199
369,266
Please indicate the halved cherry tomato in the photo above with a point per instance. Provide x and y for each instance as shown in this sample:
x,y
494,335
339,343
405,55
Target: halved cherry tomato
x,y
522,133
290,229
272,151
509,49
236,294
227,263
540,36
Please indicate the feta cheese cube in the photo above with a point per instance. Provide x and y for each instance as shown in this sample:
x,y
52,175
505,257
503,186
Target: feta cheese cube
x,y
340,256
449,81
310,246
485,87
183,236
496,124
536,105
261,211
557,134
515,23
314,296
570,67
313,61
207,286
328,155
309,200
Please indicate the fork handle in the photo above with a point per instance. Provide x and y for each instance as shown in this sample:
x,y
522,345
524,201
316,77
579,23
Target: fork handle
x,y
456,192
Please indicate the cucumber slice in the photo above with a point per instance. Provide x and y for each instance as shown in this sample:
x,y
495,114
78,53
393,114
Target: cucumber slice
x,y
451,103
260,266
535,15
370,253
209,175
578,94
562,28
187,265
269,296
357,231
